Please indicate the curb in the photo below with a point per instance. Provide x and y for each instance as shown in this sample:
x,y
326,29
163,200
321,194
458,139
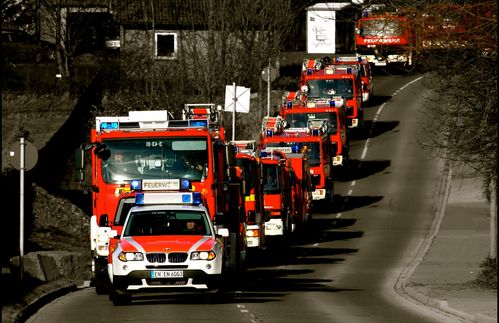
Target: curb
x,y
36,301
438,304
444,307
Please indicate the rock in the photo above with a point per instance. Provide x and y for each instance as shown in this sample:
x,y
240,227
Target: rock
x,y
49,266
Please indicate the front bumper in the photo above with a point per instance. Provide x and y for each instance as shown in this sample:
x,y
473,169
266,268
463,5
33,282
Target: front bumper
x,y
319,194
141,281
274,227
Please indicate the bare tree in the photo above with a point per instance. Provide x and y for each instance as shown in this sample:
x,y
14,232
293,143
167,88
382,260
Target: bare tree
x,y
230,41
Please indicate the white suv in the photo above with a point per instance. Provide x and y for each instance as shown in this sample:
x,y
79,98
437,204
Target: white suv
x,y
166,247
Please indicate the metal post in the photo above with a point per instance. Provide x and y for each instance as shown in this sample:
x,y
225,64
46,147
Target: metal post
x,y
21,207
234,113
268,90
493,220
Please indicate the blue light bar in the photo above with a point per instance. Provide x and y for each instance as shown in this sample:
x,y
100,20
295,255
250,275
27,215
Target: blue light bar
x,y
186,198
310,71
139,198
263,154
269,133
295,148
315,132
289,104
136,185
332,103
196,198
185,184
199,123
109,125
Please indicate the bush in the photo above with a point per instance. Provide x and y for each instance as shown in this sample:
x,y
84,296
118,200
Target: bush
x,y
487,278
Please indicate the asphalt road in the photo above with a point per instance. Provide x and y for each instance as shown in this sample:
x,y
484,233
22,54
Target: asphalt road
x,y
345,268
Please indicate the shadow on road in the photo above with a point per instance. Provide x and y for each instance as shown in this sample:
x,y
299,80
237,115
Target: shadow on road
x,y
373,129
361,169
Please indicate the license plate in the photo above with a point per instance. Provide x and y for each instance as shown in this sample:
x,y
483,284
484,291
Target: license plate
x,y
167,274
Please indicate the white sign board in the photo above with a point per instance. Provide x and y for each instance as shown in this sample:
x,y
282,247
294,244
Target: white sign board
x,y
243,99
321,31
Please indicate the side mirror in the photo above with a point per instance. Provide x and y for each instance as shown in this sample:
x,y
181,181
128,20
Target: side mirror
x,y
304,89
102,152
251,216
223,232
79,164
79,158
103,220
219,218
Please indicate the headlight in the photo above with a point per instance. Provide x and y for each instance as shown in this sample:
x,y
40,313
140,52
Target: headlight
x,y
203,255
252,233
131,256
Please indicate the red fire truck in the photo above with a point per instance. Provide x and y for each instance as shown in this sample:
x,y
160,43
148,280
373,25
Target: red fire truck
x,y
298,113
365,72
250,172
313,142
278,181
302,189
149,145
321,80
383,38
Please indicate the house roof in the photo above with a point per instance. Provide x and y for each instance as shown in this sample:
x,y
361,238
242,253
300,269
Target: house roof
x,y
80,4
166,12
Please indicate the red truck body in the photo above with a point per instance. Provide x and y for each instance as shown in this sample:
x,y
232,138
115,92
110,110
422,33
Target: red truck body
x,y
321,80
297,113
365,72
250,173
277,195
312,143
384,38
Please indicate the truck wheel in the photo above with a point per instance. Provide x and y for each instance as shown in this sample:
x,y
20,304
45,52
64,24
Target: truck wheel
x,y
120,299
101,280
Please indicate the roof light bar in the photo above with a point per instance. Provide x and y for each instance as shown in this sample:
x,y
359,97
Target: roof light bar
x,y
168,198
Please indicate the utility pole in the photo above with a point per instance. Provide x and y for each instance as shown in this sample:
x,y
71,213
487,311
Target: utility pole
x,y
493,220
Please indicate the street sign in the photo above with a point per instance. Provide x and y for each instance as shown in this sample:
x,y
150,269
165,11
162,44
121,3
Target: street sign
x,y
242,98
30,156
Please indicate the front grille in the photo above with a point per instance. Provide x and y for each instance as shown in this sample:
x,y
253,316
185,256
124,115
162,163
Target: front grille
x,y
177,257
156,257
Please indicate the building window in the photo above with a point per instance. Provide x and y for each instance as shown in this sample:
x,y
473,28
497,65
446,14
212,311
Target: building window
x,y
166,46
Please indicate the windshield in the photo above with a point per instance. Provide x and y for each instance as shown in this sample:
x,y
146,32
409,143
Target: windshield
x,y
381,28
300,120
155,159
313,151
270,176
325,89
246,167
167,222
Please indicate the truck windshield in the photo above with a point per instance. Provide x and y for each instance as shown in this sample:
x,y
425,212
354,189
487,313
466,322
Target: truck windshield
x,y
270,179
381,28
158,158
313,151
325,89
300,120
167,222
